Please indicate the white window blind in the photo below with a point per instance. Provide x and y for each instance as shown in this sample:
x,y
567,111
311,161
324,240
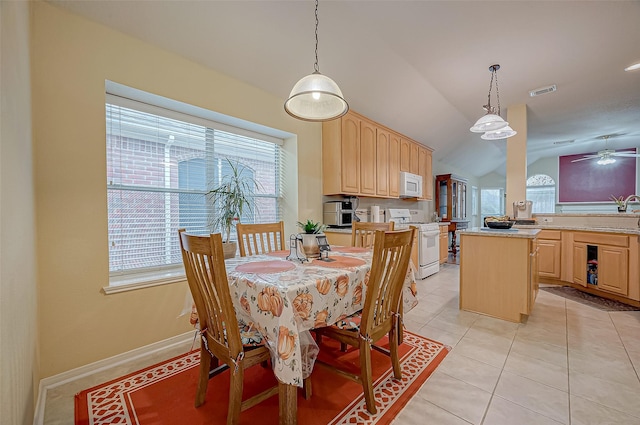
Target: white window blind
x,y
160,166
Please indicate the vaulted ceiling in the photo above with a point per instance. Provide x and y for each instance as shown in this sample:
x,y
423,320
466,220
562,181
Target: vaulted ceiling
x,y
421,67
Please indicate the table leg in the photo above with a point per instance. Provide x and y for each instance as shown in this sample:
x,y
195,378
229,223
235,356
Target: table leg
x,y
288,401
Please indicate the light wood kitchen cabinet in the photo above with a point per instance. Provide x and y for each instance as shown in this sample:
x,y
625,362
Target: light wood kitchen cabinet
x,y
368,142
498,274
394,165
338,238
382,163
361,157
414,162
405,155
340,155
601,261
550,253
444,243
424,169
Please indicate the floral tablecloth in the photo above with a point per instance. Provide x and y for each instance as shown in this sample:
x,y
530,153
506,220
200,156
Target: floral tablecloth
x,y
284,305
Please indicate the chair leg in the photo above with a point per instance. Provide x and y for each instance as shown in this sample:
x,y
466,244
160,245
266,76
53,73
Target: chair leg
x,y
203,380
235,396
306,387
343,347
393,350
365,376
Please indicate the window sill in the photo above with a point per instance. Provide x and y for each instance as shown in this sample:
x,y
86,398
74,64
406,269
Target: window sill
x,y
132,282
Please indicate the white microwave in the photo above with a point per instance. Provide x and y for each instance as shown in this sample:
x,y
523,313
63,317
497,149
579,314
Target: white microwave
x,y
410,185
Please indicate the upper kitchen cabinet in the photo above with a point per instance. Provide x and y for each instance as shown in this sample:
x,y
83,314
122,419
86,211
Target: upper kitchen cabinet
x,y
424,169
362,157
341,155
368,155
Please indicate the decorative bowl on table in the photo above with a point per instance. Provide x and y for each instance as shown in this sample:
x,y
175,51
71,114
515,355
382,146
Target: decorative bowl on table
x,y
500,224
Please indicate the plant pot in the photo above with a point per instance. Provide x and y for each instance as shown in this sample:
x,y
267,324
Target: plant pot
x,y
622,210
229,249
310,244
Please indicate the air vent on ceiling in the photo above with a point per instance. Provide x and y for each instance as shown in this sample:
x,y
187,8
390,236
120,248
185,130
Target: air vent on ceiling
x,y
563,142
542,90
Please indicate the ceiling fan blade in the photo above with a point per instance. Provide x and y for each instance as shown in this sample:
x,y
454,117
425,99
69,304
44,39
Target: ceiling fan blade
x,y
626,154
586,157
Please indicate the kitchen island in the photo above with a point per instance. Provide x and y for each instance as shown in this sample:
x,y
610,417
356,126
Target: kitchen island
x,y
498,272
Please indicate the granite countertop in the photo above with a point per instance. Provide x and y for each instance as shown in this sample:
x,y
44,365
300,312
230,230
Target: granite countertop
x,y
519,232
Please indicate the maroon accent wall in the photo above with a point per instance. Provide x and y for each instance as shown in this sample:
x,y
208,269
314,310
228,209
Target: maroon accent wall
x,y
586,181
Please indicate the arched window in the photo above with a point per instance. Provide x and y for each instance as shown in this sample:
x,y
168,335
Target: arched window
x,y
541,189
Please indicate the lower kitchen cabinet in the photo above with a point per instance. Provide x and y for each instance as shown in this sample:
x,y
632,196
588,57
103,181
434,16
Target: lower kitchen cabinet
x,y
444,243
549,253
338,238
498,274
601,261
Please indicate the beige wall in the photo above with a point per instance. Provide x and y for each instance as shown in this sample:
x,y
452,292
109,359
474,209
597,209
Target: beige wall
x,y
72,58
19,370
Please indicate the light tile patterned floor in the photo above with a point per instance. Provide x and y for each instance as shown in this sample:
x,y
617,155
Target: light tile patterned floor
x,y
569,364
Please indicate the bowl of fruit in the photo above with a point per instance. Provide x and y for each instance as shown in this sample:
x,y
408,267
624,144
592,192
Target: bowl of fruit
x,y
502,222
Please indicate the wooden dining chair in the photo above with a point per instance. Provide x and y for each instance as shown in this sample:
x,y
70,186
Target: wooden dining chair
x,y
223,338
362,233
255,239
391,253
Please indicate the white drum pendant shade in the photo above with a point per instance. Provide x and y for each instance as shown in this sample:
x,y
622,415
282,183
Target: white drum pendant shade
x,y
501,133
489,122
316,97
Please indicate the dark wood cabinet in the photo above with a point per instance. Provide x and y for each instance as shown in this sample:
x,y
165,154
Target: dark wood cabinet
x,y
451,204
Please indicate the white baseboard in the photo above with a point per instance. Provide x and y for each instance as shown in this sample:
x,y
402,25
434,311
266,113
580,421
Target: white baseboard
x,y
101,365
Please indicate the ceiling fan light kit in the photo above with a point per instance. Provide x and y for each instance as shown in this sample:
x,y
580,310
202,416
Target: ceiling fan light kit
x,y
316,97
492,124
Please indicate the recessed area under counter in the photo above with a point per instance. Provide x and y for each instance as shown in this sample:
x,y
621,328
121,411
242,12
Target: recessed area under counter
x,y
499,272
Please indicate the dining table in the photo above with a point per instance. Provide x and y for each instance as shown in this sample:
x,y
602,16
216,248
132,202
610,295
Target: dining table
x,y
285,298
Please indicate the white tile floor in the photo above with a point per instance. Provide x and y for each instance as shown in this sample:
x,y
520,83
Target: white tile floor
x,y
569,364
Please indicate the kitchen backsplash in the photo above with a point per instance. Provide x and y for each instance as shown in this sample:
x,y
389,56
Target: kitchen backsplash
x,y
364,204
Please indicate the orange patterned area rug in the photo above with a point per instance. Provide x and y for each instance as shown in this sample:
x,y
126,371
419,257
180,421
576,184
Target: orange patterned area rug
x,y
164,393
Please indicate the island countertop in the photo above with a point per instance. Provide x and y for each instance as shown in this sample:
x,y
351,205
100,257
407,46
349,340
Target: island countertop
x,y
503,233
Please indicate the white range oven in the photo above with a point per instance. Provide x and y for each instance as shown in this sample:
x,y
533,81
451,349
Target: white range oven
x,y
428,241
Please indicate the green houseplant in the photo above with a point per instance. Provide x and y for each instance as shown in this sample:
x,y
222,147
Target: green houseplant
x,y
310,229
231,198
619,203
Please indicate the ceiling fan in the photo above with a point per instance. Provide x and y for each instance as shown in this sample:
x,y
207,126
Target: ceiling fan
x,y
606,156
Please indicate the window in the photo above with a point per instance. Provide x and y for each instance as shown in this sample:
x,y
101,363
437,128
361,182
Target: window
x,y
491,202
541,190
160,165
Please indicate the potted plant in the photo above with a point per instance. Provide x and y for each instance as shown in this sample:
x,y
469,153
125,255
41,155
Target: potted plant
x,y
620,203
310,230
232,198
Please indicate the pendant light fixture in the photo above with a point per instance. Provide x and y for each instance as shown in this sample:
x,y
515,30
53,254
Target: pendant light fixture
x,y
492,124
316,97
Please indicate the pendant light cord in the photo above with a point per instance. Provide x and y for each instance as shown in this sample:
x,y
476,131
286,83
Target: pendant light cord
x,y
494,73
317,69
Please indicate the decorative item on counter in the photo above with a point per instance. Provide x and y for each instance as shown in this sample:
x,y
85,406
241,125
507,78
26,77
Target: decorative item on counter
x,y
622,207
324,247
310,230
295,249
501,222
375,214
